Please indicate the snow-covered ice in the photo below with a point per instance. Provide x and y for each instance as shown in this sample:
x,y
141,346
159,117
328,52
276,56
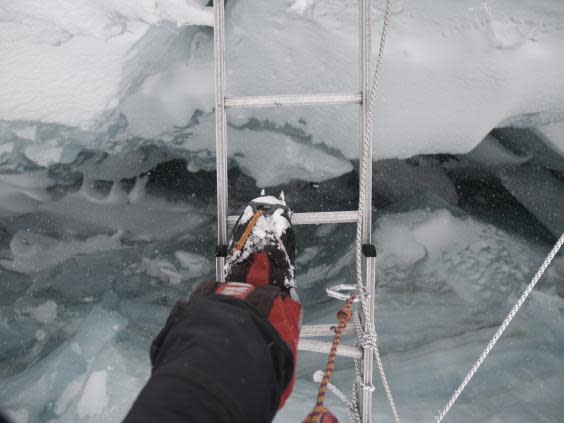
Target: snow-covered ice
x,y
64,62
117,73
94,399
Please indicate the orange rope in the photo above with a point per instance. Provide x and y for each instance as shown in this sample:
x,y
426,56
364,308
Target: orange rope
x,y
248,231
343,316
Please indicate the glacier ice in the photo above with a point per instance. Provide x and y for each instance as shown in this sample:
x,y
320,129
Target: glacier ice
x,y
32,252
67,375
454,72
74,336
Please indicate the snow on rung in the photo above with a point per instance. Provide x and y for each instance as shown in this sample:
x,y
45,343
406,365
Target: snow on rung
x,y
293,100
316,218
325,347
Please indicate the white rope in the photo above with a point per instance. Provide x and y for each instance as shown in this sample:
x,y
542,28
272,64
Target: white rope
x,y
369,340
370,333
501,329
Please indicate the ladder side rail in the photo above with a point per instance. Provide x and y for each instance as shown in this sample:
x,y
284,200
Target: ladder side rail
x,y
220,131
366,87
367,368
369,273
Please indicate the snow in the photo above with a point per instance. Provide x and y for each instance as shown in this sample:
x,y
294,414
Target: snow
x,y
401,246
76,348
313,164
26,132
280,224
267,230
40,335
170,98
32,252
44,155
247,215
19,416
50,153
251,147
302,7
70,393
46,312
137,194
161,269
5,150
94,397
162,220
66,62
193,266
196,263
270,199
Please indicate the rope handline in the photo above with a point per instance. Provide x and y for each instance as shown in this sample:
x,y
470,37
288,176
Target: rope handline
x,y
350,406
248,230
343,315
501,329
370,340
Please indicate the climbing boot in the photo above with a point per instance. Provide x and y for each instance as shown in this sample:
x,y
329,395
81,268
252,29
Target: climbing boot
x,y
262,247
259,269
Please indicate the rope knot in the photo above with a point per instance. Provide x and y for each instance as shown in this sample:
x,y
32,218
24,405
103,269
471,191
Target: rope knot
x,y
344,314
366,338
369,337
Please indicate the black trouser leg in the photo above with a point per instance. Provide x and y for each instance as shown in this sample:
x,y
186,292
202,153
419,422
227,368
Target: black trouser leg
x,y
216,360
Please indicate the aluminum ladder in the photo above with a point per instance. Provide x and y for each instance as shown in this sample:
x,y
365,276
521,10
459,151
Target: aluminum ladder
x,y
364,387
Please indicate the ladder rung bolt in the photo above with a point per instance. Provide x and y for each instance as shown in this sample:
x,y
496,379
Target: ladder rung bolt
x,y
368,250
221,250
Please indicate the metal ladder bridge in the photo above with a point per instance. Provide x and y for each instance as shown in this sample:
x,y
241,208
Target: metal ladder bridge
x,y
311,335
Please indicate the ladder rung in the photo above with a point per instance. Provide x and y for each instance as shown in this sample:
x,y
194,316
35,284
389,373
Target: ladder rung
x,y
325,217
312,331
316,218
325,347
293,100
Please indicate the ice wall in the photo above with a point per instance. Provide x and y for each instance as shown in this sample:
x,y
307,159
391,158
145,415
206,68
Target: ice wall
x,y
114,74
